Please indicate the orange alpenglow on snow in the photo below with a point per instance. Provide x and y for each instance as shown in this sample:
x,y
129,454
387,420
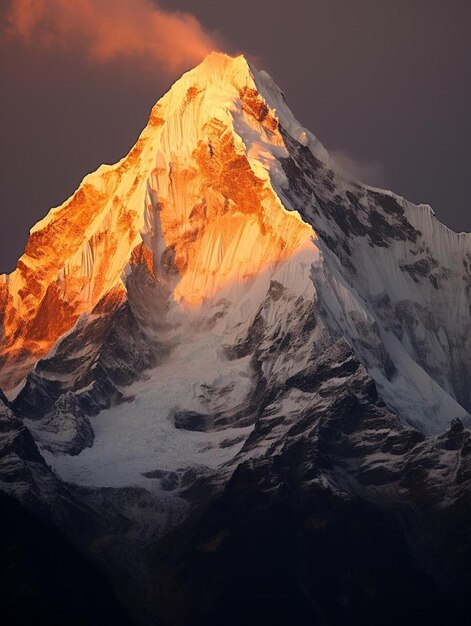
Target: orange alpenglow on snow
x,y
192,204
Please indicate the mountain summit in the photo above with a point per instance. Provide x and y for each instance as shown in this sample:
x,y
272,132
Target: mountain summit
x,y
222,190
223,316
192,200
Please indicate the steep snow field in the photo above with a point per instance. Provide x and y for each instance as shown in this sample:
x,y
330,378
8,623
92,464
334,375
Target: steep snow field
x,y
139,436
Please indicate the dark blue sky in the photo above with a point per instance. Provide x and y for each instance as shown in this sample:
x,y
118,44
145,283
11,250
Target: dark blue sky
x,y
386,84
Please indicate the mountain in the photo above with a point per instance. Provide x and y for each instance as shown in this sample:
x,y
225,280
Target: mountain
x,y
221,338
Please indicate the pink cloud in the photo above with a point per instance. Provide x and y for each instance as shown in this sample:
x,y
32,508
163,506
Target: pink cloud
x,y
105,30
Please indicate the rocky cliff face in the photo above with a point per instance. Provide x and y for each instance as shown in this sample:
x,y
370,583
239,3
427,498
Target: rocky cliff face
x,y
222,319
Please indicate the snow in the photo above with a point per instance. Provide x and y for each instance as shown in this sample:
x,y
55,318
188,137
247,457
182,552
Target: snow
x,y
139,436
148,198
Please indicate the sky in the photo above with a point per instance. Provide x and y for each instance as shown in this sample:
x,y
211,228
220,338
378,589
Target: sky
x,y
384,85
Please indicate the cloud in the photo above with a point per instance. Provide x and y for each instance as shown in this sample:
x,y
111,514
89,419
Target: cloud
x,y
105,30
360,170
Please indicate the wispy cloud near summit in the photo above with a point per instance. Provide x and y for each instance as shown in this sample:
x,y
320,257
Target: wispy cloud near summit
x,y
370,172
106,30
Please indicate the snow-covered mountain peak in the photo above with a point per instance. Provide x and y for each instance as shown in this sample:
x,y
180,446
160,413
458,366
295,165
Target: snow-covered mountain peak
x,y
221,319
228,213
192,192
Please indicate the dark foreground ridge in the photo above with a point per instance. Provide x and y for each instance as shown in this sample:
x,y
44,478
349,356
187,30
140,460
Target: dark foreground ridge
x,y
45,580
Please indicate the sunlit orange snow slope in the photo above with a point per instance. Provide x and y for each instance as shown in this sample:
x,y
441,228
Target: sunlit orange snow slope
x,y
192,203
